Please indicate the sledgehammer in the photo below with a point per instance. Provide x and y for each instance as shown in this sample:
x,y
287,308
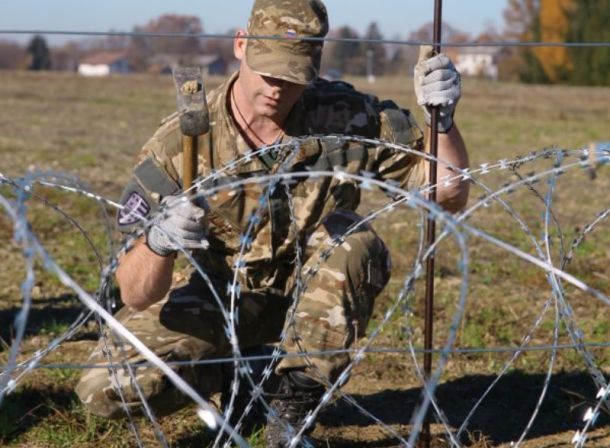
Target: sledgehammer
x,y
194,118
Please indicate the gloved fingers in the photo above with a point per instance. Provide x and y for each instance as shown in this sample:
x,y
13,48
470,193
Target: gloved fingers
x,y
190,218
185,210
425,53
172,201
442,98
447,87
176,233
183,206
187,234
159,242
438,62
201,243
164,243
440,75
173,221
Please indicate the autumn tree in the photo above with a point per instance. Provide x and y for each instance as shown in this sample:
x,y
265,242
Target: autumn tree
x,y
554,19
222,47
560,21
144,47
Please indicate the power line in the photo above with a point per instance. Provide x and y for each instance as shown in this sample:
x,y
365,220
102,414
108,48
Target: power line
x,y
498,43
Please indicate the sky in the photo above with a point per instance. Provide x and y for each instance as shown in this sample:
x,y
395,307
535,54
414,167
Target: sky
x,y
395,17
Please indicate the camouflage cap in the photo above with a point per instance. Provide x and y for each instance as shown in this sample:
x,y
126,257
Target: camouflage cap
x,y
291,59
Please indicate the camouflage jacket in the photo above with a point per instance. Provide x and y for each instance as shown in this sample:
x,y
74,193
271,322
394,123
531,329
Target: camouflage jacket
x,y
324,108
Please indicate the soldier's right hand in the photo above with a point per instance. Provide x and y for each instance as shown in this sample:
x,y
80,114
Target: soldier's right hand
x,y
180,224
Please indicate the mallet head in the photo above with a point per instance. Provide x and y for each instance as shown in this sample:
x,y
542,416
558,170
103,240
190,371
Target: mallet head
x,y
192,106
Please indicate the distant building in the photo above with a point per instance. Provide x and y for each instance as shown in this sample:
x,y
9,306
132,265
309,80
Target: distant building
x,y
212,64
481,62
104,63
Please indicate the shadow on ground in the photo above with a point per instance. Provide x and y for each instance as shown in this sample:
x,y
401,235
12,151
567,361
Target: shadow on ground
x,y
47,316
58,312
24,409
500,419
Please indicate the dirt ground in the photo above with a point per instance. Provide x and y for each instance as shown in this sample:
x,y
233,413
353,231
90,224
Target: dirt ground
x,y
93,129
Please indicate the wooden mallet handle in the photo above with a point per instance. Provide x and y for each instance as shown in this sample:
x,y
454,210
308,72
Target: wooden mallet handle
x,y
189,162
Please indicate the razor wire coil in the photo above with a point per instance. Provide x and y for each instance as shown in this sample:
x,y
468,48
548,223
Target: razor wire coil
x,y
458,228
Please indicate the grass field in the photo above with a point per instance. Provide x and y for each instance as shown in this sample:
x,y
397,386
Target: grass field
x,y
93,128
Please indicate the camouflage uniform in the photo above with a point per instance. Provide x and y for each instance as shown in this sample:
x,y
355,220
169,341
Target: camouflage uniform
x,y
339,296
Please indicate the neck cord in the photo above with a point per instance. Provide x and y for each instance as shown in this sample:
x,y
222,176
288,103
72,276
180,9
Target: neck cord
x,y
235,107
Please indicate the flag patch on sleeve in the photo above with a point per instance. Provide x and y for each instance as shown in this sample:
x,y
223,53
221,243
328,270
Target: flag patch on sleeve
x,y
135,208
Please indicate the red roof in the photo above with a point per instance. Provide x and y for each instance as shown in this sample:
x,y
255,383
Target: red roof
x,y
104,58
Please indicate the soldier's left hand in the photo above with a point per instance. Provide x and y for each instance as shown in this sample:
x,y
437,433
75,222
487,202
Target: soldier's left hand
x,y
437,83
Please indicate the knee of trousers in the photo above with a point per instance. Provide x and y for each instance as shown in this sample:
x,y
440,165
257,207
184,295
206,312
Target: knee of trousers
x,y
366,259
108,394
114,394
97,394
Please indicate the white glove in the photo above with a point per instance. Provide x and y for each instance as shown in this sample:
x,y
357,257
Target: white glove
x,y
437,83
179,225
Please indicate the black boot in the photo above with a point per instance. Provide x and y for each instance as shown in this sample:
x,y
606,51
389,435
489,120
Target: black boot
x,y
256,417
297,395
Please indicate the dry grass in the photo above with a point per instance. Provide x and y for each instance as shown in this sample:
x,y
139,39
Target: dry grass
x,y
94,127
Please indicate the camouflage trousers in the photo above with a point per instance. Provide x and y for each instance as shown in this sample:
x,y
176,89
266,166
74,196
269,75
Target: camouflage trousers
x,y
341,284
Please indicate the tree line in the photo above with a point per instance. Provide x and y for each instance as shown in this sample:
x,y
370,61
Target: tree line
x,y
524,20
139,50
560,21
349,58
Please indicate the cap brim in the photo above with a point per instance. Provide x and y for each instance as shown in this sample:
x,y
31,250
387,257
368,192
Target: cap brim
x,y
299,69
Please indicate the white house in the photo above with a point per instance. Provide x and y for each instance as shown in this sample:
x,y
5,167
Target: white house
x,y
104,63
481,62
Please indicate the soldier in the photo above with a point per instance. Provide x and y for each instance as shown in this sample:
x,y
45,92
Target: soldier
x,y
274,97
